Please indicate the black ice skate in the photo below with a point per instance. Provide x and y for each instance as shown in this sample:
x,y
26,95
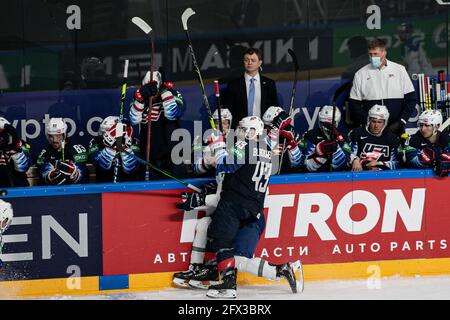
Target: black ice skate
x,y
287,271
205,277
227,288
182,278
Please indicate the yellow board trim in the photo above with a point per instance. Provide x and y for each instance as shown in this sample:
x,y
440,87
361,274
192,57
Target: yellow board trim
x,y
163,280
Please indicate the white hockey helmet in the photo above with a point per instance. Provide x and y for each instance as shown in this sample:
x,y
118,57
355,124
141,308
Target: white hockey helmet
x,y
326,115
107,123
6,215
431,117
225,114
156,77
56,126
378,112
3,121
270,114
251,126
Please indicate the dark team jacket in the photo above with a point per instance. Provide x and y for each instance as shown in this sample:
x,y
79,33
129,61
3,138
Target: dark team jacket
x,y
49,158
415,143
248,166
385,146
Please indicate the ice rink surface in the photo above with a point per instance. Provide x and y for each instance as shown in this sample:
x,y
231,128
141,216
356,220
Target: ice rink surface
x,y
393,288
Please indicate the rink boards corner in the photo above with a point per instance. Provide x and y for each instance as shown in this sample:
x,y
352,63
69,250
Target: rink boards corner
x,y
101,238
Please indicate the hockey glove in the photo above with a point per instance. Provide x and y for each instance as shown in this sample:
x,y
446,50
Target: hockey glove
x,y
9,141
56,177
66,167
290,134
166,86
109,138
216,142
324,148
209,188
281,121
191,200
148,90
427,156
442,168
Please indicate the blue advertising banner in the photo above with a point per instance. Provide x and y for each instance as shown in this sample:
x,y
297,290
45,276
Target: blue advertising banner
x,y
53,237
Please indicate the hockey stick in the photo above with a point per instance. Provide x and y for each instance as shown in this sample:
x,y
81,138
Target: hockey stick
x,y
291,105
151,166
147,30
444,125
119,126
184,18
332,133
217,92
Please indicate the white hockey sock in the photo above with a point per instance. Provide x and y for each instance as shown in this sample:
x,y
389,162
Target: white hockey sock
x,y
257,267
199,243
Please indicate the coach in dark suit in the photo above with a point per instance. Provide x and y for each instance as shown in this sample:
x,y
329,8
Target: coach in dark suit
x,y
251,94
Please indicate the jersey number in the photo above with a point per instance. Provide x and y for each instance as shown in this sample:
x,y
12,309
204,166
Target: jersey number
x,y
261,176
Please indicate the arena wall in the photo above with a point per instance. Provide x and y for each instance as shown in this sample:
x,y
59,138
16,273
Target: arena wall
x,y
99,238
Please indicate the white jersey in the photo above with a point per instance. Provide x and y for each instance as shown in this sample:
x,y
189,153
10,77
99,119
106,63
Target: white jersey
x,y
390,86
390,82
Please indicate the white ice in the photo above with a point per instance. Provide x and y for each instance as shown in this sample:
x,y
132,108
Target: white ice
x,y
393,288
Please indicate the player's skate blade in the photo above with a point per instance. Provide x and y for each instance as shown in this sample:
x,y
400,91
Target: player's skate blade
x,y
203,285
182,283
297,266
221,293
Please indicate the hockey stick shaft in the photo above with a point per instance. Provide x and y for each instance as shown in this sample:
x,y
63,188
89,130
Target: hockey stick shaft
x,y
119,126
184,19
291,104
219,113
147,30
165,173
149,115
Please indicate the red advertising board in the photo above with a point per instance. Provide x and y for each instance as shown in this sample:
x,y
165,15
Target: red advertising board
x,y
361,220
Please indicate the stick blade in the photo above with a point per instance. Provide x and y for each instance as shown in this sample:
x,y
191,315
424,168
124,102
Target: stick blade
x,y
141,24
185,16
294,58
443,126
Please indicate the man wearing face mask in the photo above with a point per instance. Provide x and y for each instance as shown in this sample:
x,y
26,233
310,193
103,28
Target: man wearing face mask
x,y
382,82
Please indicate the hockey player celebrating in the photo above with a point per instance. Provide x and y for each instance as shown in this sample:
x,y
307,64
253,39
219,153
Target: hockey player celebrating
x,y
14,157
103,152
167,108
373,147
203,160
6,216
318,148
278,125
428,148
61,162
